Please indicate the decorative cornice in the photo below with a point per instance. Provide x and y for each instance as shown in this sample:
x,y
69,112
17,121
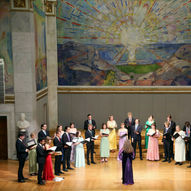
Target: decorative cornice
x,y
9,98
40,94
22,5
50,7
124,90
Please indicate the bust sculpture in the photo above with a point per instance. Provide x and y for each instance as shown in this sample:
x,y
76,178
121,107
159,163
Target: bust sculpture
x,y
23,124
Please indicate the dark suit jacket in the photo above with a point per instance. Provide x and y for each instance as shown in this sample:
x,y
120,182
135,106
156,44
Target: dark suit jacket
x,y
65,139
128,124
86,122
168,135
41,154
173,127
89,135
133,133
42,135
21,150
58,144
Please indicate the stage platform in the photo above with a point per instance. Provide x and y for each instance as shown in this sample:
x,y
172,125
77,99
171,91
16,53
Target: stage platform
x,y
155,176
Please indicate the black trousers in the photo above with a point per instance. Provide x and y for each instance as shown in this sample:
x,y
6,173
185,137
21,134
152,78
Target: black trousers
x,y
135,141
66,159
90,149
171,149
129,132
167,149
189,151
20,170
57,164
40,170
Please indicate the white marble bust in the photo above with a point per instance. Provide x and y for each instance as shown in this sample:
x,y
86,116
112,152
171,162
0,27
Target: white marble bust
x,y
23,124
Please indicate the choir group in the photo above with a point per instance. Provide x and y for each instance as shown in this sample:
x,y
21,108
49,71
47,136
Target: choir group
x,y
69,146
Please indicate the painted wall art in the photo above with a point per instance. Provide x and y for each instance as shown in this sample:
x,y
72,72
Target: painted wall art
x,y
6,45
124,42
40,44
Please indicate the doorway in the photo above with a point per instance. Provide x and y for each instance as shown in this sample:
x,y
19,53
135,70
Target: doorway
x,y
3,138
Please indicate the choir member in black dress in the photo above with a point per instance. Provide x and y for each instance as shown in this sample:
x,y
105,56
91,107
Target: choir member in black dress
x,y
58,142
167,135
43,133
90,145
172,126
22,153
41,158
129,122
66,138
136,137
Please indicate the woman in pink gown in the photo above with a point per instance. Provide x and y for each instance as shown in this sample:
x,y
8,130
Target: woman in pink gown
x,y
48,169
153,146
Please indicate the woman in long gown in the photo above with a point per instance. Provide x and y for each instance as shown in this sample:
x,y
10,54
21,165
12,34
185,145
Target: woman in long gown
x,y
148,127
48,169
112,125
104,146
153,146
122,133
126,155
33,166
73,132
180,154
79,151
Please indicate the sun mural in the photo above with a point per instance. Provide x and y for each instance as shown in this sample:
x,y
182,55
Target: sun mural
x,y
124,42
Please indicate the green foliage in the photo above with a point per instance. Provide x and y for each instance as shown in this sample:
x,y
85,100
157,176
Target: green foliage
x,y
138,69
110,79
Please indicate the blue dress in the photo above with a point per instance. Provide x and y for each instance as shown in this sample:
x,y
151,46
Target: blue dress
x,y
79,153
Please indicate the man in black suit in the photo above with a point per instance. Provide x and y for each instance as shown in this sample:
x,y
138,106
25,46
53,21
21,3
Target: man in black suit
x,y
129,122
58,142
136,137
41,158
167,135
172,126
89,121
67,149
22,153
43,133
90,145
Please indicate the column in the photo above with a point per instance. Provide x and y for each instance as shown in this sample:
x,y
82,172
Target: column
x,y
52,66
23,47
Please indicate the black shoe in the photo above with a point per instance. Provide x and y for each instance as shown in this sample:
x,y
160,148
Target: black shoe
x,y
180,163
57,174
25,178
21,181
93,162
41,183
176,163
70,168
141,158
65,170
189,166
164,160
88,163
169,161
61,172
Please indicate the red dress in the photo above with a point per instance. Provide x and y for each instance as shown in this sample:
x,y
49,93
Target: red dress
x,y
48,170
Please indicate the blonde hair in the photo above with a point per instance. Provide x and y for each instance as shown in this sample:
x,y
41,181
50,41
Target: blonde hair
x,y
48,139
127,147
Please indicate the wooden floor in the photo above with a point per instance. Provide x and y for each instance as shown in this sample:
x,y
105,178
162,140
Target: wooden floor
x,y
147,176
